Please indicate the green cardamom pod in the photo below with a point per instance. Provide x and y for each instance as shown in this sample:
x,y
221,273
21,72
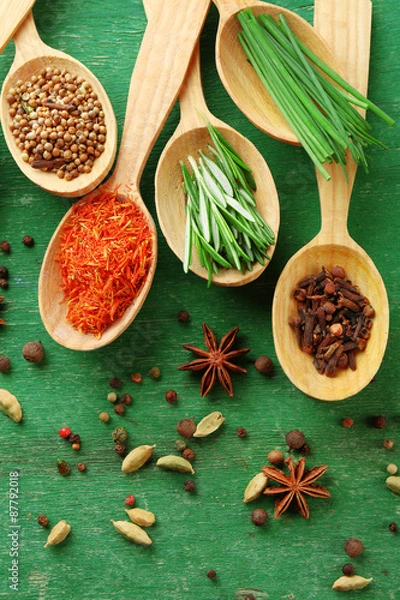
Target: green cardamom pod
x,y
58,533
255,487
140,516
132,532
353,582
175,463
209,424
10,406
137,458
393,483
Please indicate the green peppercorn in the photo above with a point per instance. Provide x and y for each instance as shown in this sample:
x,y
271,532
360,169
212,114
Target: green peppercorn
x,y
119,435
155,373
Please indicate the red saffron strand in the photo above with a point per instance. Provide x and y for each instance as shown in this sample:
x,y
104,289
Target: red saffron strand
x,y
105,256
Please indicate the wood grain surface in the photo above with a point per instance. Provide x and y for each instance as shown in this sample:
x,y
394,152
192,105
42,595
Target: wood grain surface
x,y
289,558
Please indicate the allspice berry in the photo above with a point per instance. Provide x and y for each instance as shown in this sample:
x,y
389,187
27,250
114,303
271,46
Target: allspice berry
x,y
33,352
259,517
264,364
5,364
353,547
186,427
28,241
295,439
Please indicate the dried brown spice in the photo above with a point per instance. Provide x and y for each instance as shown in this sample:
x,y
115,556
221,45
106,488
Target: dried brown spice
x,y
333,320
216,360
299,483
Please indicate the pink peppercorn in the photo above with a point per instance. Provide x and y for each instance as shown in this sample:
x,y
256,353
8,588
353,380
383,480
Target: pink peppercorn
x,y
130,500
65,432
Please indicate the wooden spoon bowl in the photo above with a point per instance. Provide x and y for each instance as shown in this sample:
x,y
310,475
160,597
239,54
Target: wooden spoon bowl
x,y
239,77
347,27
32,57
171,34
191,136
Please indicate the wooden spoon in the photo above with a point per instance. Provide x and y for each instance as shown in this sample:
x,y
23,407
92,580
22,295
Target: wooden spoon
x,y
171,34
239,77
347,27
191,136
12,13
31,57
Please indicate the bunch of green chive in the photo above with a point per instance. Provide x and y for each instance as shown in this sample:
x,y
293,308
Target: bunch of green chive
x,y
320,113
222,221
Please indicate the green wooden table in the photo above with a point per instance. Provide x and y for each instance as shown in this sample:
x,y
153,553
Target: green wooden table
x,y
211,529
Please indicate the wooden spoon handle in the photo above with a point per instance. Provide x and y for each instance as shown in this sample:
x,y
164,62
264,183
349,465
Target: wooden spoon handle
x,y
28,44
171,34
12,13
346,27
226,8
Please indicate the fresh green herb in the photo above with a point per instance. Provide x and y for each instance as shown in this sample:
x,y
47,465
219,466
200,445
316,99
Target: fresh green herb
x,y
320,113
222,221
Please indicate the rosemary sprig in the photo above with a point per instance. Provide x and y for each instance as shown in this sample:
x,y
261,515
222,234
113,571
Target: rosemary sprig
x,y
320,111
222,221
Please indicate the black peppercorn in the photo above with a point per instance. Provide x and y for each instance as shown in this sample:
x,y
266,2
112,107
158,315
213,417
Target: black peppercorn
x,y
183,316
126,399
348,569
211,574
393,527
186,427
74,438
5,247
3,272
115,383
5,364
43,520
241,432
189,486
33,352
28,241
3,283
120,449
264,364
295,439
379,422
171,396
259,517
353,547
305,449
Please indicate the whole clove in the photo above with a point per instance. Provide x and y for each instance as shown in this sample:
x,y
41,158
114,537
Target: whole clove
x,y
333,320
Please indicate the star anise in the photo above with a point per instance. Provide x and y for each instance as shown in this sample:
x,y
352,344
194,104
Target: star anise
x,y
216,360
294,487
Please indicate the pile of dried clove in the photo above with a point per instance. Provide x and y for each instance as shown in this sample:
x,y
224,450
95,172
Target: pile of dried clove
x,y
333,320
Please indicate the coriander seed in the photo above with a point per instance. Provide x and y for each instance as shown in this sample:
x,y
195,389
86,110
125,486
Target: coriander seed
x,y
392,469
112,397
155,373
259,517
388,444
104,417
353,547
81,466
33,352
275,457
3,283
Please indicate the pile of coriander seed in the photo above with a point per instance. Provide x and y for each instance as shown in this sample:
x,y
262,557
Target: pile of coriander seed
x,y
58,122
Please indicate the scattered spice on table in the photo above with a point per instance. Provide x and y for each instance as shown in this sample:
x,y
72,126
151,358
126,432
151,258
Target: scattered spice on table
x,y
186,427
388,444
130,500
393,527
5,364
259,517
211,574
190,486
136,378
65,432
43,520
63,468
5,247
155,372
275,457
241,432
264,364
33,352
171,396
183,316
188,454
28,241
2,321
333,320
347,422
295,439
58,122
3,272
379,422
115,383
216,360
81,466
353,547
294,487
106,249
119,408
3,283
348,569
104,417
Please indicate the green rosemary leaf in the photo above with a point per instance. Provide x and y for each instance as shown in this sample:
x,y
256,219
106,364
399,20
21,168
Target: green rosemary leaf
x,y
218,174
